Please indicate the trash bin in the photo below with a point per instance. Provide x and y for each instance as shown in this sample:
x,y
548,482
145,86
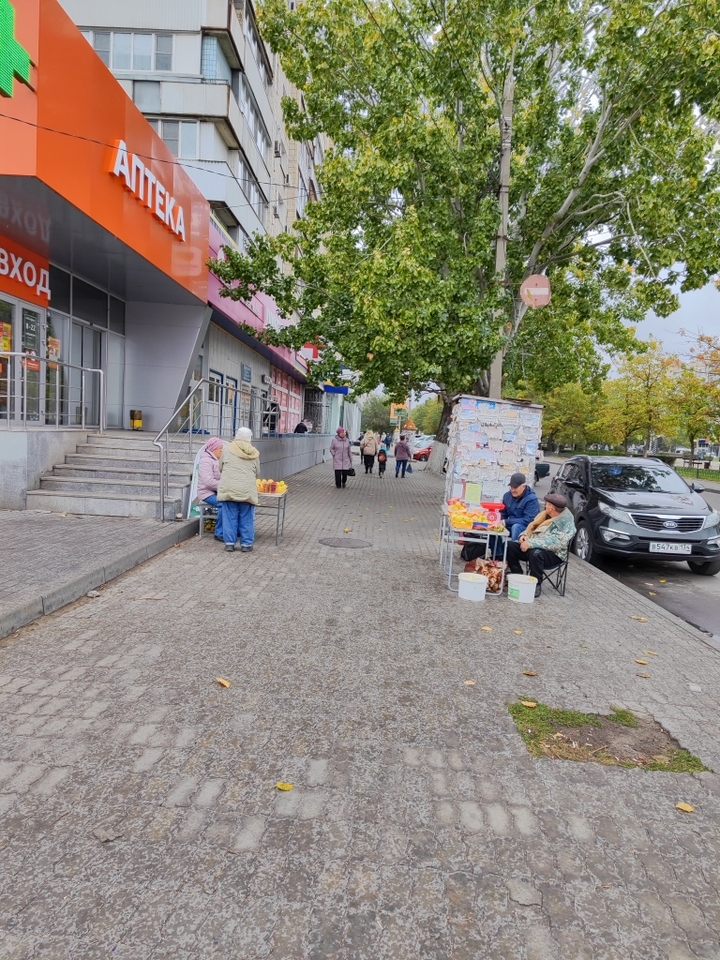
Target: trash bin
x,y
136,419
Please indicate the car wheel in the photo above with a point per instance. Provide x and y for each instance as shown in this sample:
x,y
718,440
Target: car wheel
x,y
423,458
583,545
705,569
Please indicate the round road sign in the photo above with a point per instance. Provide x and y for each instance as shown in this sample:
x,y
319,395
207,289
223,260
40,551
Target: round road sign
x,y
535,291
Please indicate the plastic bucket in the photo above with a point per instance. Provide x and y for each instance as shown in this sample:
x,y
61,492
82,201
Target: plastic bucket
x,y
472,586
521,589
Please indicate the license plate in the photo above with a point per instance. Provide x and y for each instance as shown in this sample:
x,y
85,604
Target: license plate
x,y
670,548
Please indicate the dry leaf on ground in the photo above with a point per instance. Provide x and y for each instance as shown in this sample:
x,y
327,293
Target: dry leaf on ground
x,y
634,616
662,581
643,663
528,703
518,632
281,785
529,673
469,683
650,653
651,594
347,530
486,629
645,676
223,682
685,807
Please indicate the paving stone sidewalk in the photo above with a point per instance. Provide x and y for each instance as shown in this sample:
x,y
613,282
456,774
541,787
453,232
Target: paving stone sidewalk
x,y
138,811
49,559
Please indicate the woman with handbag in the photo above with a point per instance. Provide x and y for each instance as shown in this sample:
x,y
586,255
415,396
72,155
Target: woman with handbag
x,y
341,453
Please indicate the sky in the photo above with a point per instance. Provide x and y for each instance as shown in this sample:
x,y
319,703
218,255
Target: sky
x,y
699,313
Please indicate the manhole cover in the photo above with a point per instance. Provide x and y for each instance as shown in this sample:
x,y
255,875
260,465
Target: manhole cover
x,y
346,542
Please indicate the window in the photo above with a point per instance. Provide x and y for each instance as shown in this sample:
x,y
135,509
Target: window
x,y
253,118
629,478
214,65
122,51
251,189
302,198
132,51
142,51
252,36
179,136
89,303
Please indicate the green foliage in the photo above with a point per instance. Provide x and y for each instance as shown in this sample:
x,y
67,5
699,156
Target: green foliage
x,y
613,189
427,416
570,414
376,415
696,406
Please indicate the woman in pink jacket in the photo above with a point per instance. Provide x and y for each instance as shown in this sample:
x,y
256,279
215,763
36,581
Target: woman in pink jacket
x,y
341,453
209,477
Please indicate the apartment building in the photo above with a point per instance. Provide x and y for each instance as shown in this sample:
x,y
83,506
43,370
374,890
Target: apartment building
x,y
206,82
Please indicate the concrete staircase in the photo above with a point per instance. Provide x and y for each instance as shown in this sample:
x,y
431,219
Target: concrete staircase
x,y
115,475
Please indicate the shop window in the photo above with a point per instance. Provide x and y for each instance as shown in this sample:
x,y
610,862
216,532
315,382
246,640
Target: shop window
x,y
117,316
89,303
59,290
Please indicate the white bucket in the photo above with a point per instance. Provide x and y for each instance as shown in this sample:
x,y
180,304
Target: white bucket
x,y
521,589
472,586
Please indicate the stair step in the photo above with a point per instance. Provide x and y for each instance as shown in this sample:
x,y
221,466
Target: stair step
x,y
126,472
123,488
119,454
101,504
132,443
119,463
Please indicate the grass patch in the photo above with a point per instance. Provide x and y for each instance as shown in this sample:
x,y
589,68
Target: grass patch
x,y
620,740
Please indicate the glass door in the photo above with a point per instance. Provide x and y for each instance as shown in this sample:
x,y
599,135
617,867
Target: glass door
x,y
215,403
7,367
86,345
230,411
33,346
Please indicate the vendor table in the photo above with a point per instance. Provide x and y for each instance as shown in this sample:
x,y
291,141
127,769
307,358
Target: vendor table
x,y
450,537
270,502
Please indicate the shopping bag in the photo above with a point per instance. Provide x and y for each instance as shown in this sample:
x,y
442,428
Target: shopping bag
x,y
351,472
409,468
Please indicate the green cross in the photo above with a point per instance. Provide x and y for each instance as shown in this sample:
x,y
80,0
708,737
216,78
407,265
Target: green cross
x,y
14,59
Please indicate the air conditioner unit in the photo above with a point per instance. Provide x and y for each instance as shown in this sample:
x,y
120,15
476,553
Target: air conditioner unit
x,y
265,378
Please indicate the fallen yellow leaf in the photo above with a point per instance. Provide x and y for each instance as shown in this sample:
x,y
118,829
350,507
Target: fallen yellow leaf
x,y
528,703
529,673
486,629
651,594
469,683
347,530
518,632
650,653
643,663
284,786
223,682
662,581
634,616
685,807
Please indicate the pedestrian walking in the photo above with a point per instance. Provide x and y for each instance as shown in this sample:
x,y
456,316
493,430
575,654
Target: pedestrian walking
x,y
402,455
382,461
388,441
369,449
237,491
209,478
341,453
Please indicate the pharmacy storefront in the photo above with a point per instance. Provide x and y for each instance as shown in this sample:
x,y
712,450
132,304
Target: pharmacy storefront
x,y
103,239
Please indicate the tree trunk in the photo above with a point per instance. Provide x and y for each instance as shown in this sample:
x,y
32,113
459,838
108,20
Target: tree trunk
x,y
438,453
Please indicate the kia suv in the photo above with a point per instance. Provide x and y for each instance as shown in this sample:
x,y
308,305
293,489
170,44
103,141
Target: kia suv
x,y
639,509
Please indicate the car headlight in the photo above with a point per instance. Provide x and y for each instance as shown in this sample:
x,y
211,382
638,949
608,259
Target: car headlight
x,y
712,519
614,513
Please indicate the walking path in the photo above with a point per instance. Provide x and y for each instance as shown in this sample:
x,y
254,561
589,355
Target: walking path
x,y
139,816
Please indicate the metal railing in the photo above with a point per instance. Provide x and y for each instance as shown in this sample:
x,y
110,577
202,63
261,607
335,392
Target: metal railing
x,y
210,409
43,392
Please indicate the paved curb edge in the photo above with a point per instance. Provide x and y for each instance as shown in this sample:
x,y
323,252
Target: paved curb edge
x,y
77,587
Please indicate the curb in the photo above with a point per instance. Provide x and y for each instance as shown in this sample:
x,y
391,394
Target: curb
x,y
77,587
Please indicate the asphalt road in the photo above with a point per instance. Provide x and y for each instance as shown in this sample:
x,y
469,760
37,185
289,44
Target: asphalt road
x,y
673,586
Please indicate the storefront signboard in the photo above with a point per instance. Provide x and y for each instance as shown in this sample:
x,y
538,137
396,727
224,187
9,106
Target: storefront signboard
x,y
149,190
24,274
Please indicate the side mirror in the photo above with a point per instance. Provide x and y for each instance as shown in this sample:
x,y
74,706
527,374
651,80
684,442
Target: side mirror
x,y
697,487
574,483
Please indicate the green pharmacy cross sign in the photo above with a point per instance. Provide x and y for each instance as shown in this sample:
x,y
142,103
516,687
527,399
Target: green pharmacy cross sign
x,y
14,59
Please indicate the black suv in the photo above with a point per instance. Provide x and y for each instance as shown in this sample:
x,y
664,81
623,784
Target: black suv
x,y
640,509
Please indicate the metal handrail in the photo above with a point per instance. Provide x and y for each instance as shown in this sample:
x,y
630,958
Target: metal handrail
x,y
56,364
164,452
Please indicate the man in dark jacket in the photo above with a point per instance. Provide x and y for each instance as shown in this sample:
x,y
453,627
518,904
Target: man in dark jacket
x,y
520,506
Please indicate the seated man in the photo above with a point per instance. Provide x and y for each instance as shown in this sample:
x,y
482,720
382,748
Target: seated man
x,y
545,542
520,506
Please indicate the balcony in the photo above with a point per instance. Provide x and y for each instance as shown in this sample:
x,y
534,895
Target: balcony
x,y
220,186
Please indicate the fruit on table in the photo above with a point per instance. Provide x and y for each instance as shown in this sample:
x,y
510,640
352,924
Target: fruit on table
x,y
271,486
464,517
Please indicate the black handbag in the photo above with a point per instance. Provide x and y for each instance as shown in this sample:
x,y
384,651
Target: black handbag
x,y
351,472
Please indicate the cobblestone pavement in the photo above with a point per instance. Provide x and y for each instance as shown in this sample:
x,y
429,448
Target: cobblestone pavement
x,y
48,559
138,811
